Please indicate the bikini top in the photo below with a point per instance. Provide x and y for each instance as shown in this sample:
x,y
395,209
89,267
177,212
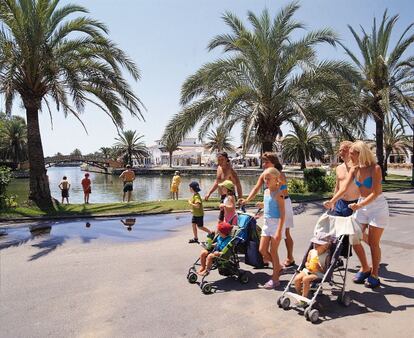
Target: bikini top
x,y
283,187
367,182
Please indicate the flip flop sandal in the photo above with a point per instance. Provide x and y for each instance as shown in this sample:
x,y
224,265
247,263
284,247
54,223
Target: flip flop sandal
x,y
361,276
372,282
291,264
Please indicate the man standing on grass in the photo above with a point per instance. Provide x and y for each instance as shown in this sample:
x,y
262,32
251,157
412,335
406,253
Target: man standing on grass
x,y
224,172
128,177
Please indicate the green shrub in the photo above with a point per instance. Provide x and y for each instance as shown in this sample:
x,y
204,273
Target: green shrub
x,y
296,186
5,178
315,179
330,181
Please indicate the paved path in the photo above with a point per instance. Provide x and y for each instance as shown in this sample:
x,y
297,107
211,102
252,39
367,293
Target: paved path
x,y
89,289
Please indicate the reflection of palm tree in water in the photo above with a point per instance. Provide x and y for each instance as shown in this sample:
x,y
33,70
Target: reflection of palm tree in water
x,y
128,222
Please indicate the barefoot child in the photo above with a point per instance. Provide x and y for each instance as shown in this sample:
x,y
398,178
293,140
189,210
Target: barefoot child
x,y
207,257
274,219
64,186
86,186
229,202
315,265
197,210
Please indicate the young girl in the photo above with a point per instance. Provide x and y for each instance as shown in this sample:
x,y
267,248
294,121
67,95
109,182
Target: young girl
x,y
315,265
197,210
274,219
229,202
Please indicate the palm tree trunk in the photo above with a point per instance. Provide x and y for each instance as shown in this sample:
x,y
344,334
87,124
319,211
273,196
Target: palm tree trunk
x,y
170,158
302,163
379,139
387,155
39,190
267,146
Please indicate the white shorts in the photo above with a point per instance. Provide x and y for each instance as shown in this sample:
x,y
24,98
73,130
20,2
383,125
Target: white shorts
x,y
270,226
375,214
288,213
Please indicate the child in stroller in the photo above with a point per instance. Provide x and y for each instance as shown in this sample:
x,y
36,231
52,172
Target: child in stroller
x,y
338,228
207,256
225,259
315,266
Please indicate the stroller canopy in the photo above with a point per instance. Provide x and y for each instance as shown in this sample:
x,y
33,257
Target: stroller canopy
x,y
337,226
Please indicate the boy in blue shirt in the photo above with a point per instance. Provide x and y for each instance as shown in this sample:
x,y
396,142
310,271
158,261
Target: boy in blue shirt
x,y
207,257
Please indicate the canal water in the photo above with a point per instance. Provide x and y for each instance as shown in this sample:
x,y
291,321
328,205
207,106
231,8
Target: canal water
x,y
108,188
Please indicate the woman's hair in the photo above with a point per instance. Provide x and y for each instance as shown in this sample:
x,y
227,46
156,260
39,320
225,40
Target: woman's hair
x,y
347,144
366,156
272,171
272,157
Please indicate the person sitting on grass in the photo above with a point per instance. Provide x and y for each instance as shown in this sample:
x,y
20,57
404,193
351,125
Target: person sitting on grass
x,y
315,265
207,257
196,203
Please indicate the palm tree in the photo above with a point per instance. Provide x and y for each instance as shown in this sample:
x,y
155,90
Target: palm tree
x,y
44,56
386,78
129,145
395,140
170,144
105,152
13,139
219,140
302,145
268,77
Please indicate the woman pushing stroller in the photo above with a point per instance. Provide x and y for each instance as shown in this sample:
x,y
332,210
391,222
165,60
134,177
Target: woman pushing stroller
x,y
371,209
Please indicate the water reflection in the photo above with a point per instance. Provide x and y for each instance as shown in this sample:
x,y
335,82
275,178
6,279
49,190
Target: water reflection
x,y
128,222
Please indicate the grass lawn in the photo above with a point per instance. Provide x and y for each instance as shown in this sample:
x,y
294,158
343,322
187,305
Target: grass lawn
x,y
165,206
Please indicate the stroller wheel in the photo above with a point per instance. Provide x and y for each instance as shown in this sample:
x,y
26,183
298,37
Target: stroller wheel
x,y
345,300
244,278
314,315
207,288
285,303
279,301
306,313
192,277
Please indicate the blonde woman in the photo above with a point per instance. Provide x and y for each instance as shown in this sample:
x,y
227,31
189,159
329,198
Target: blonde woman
x,y
371,209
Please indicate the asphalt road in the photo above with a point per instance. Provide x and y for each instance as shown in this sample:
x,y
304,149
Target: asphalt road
x,y
88,288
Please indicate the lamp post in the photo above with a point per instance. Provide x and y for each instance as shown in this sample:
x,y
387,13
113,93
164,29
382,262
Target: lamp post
x,y
412,152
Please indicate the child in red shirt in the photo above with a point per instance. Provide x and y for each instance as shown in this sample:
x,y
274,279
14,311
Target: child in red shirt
x,y
86,185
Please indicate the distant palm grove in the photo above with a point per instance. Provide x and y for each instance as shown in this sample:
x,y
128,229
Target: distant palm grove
x,y
270,74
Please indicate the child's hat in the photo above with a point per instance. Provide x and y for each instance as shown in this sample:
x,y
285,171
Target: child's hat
x,y
227,184
321,238
224,228
194,185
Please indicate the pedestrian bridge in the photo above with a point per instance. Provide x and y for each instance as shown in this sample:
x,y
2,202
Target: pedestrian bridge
x,y
96,161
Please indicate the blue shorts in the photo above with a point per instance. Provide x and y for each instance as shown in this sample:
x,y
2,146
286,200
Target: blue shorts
x,y
342,209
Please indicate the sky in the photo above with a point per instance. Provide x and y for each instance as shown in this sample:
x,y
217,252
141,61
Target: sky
x,y
168,41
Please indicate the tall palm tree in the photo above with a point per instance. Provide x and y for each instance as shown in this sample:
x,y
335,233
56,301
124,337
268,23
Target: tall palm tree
x,y
395,140
170,144
129,145
219,140
267,77
386,76
13,139
46,57
302,144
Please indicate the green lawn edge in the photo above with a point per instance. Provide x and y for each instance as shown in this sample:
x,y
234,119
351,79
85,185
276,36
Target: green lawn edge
x,y
151,207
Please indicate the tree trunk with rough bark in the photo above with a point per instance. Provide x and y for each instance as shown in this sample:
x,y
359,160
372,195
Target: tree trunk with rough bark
x,y
171,153
379,138
267,146
39,190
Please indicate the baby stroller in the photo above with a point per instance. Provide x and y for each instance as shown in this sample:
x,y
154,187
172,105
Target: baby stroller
x,y
228,264
338,228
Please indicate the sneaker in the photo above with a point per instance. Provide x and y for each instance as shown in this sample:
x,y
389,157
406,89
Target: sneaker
x,y
271,284
193,240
